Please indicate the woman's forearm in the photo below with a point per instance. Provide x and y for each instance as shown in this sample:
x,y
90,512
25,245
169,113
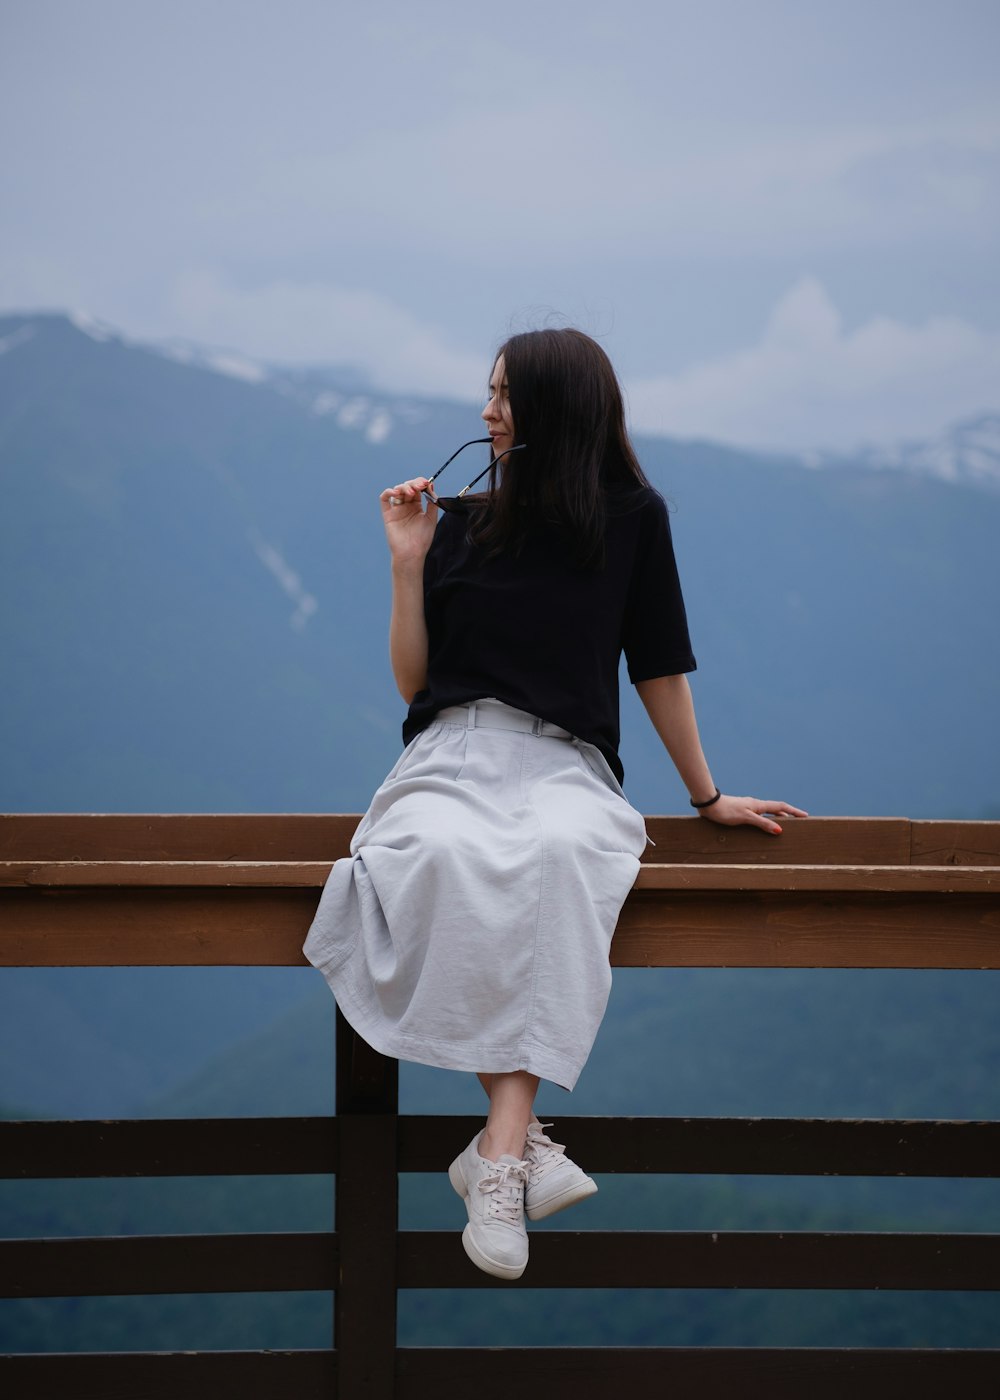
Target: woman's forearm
x,y
410,518
408,629
670,707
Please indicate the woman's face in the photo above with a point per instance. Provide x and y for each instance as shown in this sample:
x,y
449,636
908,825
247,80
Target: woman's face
x,y
496,414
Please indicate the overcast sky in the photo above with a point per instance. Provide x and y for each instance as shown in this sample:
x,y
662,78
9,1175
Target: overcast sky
x,y
781,217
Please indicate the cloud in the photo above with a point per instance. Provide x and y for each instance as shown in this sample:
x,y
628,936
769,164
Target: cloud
x,y
613,180
324,323
810,383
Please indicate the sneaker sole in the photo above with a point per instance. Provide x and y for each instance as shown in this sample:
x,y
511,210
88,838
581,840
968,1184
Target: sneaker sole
x,y
481,1261
489,1266
569,1197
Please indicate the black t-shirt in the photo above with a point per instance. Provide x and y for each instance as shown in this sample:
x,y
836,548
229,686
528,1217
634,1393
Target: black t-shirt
x,y
544,635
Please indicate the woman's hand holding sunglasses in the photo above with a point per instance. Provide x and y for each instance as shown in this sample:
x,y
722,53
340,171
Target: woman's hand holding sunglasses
x,y
409,526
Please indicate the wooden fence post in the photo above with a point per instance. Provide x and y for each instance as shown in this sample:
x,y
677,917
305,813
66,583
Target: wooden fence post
x,y
366,1217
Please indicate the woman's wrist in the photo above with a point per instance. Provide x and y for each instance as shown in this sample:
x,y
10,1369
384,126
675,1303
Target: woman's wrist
x,y
706,802
408,577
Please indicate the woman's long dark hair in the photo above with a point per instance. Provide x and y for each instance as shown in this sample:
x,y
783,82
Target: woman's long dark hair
x,y
566,405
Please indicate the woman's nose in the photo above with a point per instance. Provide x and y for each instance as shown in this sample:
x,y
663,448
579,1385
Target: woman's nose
x,y
488,411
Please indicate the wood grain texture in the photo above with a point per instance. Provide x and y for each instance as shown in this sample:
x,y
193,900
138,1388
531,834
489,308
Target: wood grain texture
x,y
154,927
653,875
792,929
260,926
175,836
326,836
954,843
177,874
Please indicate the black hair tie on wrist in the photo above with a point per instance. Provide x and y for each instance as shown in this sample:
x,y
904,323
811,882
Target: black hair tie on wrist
x,y
700,806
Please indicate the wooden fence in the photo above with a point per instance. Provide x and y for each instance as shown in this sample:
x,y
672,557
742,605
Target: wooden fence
x,y
240,890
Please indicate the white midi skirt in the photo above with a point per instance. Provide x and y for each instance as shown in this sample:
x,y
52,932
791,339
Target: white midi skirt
x,y
470,926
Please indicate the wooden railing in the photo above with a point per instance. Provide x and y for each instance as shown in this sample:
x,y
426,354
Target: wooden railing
x,y
240,890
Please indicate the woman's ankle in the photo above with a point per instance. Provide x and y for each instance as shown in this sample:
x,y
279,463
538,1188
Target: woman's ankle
x,y
494,1144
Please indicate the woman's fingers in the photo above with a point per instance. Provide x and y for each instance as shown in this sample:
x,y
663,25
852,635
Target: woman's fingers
x,y
405,494
779,809
752,811
404,504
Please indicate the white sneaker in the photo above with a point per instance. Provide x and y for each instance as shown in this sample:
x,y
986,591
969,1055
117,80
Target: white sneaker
x,y
554,1181
495,1238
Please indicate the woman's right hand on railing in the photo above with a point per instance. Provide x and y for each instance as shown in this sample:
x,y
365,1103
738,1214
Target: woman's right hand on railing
x,y
409,518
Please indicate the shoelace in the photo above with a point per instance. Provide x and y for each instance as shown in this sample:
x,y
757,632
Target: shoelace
x,y
507,1183
543,1152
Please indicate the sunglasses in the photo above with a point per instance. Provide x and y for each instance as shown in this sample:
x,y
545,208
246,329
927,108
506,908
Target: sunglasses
x,y
457,503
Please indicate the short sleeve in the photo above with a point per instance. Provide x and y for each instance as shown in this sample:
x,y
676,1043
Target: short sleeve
x,y
655,635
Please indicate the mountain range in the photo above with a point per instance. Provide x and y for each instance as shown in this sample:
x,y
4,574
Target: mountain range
x,y
195,594
194,618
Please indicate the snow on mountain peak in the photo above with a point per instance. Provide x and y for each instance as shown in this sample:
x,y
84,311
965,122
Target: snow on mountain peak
x,y
237,367
90,325
288,580
18,337
967,453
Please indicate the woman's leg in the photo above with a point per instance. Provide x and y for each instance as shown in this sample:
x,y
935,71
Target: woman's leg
x,y
511,1099
554,1180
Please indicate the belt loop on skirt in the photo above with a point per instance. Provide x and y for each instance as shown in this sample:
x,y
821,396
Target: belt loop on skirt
x,y
495,714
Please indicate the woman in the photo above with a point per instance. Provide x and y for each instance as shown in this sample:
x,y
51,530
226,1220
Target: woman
x,y
471,925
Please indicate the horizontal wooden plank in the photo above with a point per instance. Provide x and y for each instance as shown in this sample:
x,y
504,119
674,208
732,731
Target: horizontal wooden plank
x,y
123,1266
744,1373
738,1146
495,1373
175,836
195,875
955,843
177,874
311,836
815,841
723,1259
154,928
823,879
168,1147
290,1146
790,929
148,1264
326,836
142,927
204,1375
